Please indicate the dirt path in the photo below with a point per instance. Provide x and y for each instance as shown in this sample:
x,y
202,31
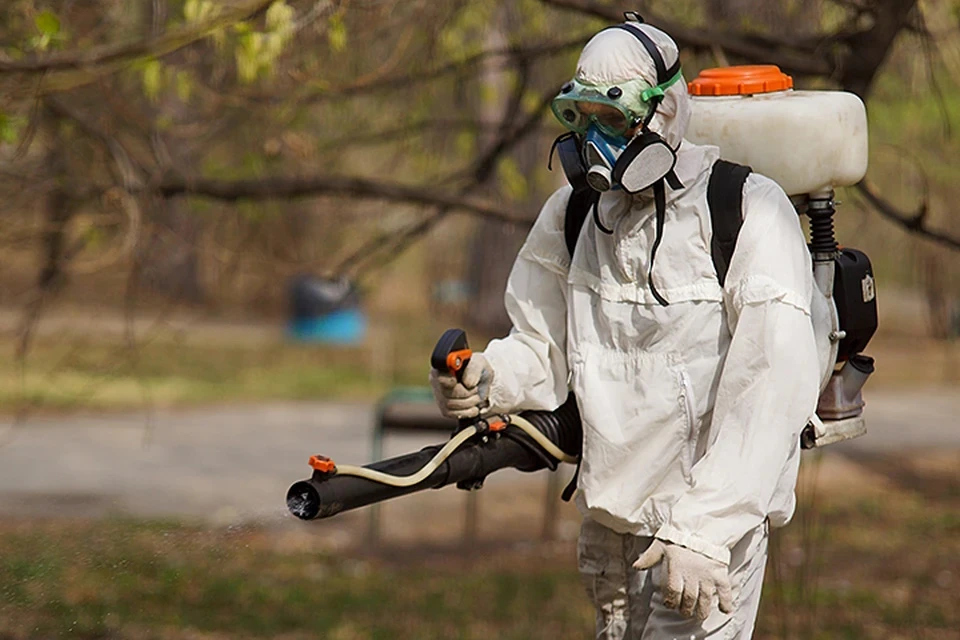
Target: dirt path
x,y
229,464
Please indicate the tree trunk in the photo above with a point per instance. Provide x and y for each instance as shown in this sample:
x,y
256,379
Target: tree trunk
x,y
169,259
57,213
495,244
776,18
870,47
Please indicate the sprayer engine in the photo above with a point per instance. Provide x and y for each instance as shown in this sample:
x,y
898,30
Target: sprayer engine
x,y
844,318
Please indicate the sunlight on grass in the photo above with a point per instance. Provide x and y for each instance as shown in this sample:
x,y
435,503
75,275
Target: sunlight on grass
x,y
64,372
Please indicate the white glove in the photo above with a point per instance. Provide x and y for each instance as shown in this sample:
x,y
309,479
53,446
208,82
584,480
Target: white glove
x,y
463,399
692,579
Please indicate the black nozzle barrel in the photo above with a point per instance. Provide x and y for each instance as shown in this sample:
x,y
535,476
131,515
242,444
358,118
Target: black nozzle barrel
x,y
325,495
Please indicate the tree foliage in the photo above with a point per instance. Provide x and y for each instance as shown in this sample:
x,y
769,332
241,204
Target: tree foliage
x,y
192,144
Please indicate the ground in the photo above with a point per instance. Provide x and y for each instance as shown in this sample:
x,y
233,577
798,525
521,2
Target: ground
x,y
154,514
873,553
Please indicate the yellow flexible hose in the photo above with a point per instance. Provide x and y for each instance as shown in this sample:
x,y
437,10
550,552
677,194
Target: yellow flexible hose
x,y
419,476
452,445
541,439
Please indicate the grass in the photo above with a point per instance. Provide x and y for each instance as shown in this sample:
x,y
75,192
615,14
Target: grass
x,y
96,369
906,361
103,376
132,579
874,552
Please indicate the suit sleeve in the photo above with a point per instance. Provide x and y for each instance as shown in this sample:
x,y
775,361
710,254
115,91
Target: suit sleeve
x,y
768,387
530,364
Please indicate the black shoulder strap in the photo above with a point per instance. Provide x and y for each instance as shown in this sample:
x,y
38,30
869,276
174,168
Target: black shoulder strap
x,y
577,208
725,200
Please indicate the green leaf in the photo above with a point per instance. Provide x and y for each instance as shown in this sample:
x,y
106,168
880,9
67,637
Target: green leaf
x,y
200,10
530,101
466,143
466,34
280,17
513,181
337,33
184,86
152,78
191,10
246,56
272,47
9,129
93,237
40,42
47,23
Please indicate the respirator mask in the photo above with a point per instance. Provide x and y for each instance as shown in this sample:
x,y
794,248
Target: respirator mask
x,y
617,147
609,145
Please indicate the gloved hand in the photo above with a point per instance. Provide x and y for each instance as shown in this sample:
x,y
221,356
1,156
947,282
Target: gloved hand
x,y
692,579
463,399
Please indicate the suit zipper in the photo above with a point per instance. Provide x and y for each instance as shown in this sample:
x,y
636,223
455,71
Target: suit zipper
x,y
691,442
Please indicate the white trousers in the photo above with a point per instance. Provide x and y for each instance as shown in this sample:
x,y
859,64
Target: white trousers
x,y
630,605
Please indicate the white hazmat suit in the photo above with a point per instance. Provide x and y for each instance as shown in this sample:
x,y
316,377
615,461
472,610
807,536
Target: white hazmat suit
x,y
692,411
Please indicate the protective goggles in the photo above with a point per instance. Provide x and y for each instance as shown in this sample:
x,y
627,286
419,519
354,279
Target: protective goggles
x,y
625,105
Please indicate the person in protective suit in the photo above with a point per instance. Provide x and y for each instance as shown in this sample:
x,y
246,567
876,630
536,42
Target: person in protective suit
x,y
692,394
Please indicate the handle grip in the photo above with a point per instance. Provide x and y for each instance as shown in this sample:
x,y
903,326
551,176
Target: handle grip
x,y
452,354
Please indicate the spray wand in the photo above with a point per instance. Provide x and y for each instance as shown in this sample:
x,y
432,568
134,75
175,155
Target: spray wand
x,y
528,441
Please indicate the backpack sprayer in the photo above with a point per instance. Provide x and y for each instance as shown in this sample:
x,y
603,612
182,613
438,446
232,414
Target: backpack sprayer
x,y
822,144
528,441
809,142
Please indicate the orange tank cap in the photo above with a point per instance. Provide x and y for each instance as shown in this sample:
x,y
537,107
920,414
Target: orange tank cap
x,y
740,80
323,464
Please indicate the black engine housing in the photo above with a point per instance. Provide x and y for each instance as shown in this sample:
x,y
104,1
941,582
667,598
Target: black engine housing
x,y
855,294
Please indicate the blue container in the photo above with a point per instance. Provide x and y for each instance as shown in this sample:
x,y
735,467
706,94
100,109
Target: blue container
x,y
324,310
347,326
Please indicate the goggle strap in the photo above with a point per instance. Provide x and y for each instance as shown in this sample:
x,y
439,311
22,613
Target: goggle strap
x,y
673,72
657,97
663,74
660,89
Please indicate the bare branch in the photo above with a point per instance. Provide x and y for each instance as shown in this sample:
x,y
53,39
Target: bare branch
x,y
303,187
867,49
797,62
125,52
508,54
914,222
370,254
509,137
392,134
128,171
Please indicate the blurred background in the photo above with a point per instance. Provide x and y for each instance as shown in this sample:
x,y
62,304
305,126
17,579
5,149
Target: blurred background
x,y
231,229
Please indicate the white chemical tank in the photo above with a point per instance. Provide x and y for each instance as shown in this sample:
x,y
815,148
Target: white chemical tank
x,y
806,141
